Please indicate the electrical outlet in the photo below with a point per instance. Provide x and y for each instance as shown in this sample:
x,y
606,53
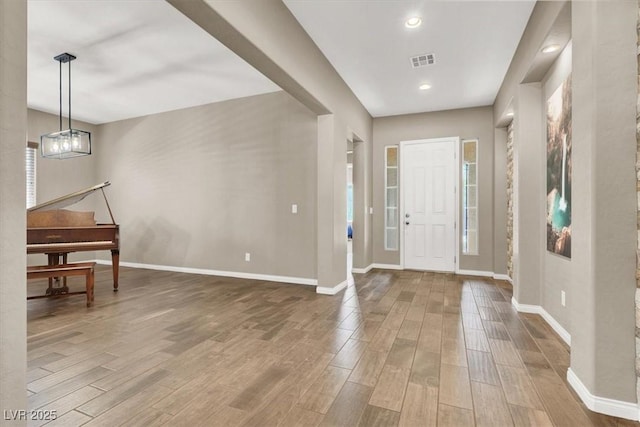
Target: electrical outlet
x,y
247,256
563,298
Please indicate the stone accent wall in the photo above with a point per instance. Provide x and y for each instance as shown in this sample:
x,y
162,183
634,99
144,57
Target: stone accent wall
x,y
638,249
510,200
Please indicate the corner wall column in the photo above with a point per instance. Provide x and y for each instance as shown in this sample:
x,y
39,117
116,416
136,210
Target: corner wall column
x,y
13,137
604,200
530,195
332,205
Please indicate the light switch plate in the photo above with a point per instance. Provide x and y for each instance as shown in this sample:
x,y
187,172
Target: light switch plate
x,y
294,208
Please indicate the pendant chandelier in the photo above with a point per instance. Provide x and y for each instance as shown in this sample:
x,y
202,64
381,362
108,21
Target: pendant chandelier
x,y
68,143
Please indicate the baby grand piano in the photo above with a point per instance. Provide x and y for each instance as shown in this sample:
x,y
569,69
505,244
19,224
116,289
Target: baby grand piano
x,y
56,232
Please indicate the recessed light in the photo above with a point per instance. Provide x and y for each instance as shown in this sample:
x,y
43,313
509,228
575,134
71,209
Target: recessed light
x,y
413,22
425,86
510,114
550,48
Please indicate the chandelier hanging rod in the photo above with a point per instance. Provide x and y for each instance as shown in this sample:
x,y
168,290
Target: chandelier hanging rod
x,y
64,58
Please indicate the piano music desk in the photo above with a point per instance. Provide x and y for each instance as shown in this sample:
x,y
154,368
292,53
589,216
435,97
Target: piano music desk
x,y
86,269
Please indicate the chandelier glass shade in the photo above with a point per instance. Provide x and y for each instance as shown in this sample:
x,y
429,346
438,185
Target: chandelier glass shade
x,y
68,143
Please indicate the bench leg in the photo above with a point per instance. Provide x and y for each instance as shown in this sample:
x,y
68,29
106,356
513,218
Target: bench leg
x,y
90,280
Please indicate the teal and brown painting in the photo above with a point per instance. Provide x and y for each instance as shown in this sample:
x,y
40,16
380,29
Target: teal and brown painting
x,y
559,170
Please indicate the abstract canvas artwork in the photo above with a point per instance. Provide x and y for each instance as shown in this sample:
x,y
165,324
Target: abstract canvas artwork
x,y
559,170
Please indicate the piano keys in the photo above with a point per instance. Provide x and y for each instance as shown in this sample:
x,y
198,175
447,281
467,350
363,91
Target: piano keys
x,y
57,232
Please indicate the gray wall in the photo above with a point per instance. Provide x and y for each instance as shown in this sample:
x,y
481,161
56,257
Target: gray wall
x,y
267,36
13,128
465,123
199,187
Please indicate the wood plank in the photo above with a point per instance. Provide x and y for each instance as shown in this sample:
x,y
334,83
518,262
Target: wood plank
x,y
36,374
368,368
375,416
410,329
124,375
149,417
450,416
70,372
389,392
73,418
367,330
68,403
454,351
420,406
322,393
350,354
401,353
455,388
38,400
518,388
504,353
121,393
122,412
302,418
482,368
348,406
425,369
496,330
476,339
527,417
253,394
490,407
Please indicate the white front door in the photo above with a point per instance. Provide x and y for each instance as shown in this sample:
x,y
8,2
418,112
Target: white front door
x,y
429,203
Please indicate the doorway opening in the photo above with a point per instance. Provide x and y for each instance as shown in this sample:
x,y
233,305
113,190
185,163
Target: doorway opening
x,y
349,208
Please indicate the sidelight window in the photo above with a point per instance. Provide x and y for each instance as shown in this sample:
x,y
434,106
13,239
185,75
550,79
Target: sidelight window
x,y
470,197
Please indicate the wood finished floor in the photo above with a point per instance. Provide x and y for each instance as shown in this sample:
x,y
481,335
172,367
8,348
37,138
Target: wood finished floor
x,y
398,348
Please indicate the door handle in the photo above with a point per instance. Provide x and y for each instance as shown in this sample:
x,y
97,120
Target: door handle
x,y
406,222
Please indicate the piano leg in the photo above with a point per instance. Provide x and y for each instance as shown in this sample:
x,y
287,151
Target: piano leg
x,y
115,263
54,259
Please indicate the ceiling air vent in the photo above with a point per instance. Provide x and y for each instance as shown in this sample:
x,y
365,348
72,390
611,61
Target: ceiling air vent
x,y
423,60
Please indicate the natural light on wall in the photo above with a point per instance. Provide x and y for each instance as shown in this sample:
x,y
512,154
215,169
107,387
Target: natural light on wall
x,y
469,197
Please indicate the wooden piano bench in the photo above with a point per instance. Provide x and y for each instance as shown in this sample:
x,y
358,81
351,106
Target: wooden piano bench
x,y
86,269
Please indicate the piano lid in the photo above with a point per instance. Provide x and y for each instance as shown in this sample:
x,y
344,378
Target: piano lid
x,y
70,199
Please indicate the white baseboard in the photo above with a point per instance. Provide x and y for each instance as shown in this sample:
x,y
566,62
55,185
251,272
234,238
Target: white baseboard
x,y
362,270
475,273
502,277
236,274
536,309
325,290
603,405
387,266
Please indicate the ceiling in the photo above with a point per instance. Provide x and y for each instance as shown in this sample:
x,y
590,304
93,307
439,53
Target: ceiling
x,y
135,57
140,57
369,45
